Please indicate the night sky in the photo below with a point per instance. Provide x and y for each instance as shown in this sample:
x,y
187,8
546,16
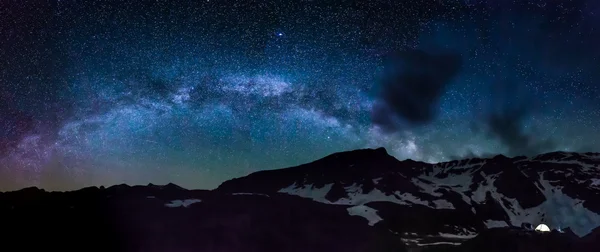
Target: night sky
x,y
197,92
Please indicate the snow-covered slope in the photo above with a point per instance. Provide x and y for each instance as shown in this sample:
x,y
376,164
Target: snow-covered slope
x,y
559,189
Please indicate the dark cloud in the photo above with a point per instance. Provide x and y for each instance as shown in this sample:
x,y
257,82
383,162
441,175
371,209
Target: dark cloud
x,y
510,107
413,82
411,86
384,117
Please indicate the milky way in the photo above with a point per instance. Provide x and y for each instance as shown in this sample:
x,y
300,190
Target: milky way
x,y
197,93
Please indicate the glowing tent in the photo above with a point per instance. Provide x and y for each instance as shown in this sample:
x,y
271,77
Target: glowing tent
x,y
542,228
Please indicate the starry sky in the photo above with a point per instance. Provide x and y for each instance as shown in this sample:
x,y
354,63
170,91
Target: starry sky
x,y
198,92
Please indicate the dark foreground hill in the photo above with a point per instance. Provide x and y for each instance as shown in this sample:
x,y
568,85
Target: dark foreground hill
x,y
363,200
151,218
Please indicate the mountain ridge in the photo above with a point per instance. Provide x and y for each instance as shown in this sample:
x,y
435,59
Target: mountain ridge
x,y
383,203
500,188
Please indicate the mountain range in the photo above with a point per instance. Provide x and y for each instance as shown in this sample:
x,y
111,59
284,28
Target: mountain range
x,y
361,200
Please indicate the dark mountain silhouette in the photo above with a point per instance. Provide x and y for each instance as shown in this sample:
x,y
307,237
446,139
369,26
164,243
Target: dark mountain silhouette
x,y
169,218
362,200
560,189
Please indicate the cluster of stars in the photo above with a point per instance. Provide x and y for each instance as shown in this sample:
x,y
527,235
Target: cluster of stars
x,y
99,93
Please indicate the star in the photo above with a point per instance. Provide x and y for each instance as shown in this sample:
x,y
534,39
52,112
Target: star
x,y
117,92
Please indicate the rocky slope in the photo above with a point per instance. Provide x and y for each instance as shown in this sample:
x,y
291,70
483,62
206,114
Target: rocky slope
x,y
453,199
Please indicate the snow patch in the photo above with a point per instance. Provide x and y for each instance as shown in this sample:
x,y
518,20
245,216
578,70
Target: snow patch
x,y
480,193
366,212
357,197
182,203
426,187
559,209
495,224
438,243
421,243
407,197
309,191
443,204
515,212
376,181
458,236
565,211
